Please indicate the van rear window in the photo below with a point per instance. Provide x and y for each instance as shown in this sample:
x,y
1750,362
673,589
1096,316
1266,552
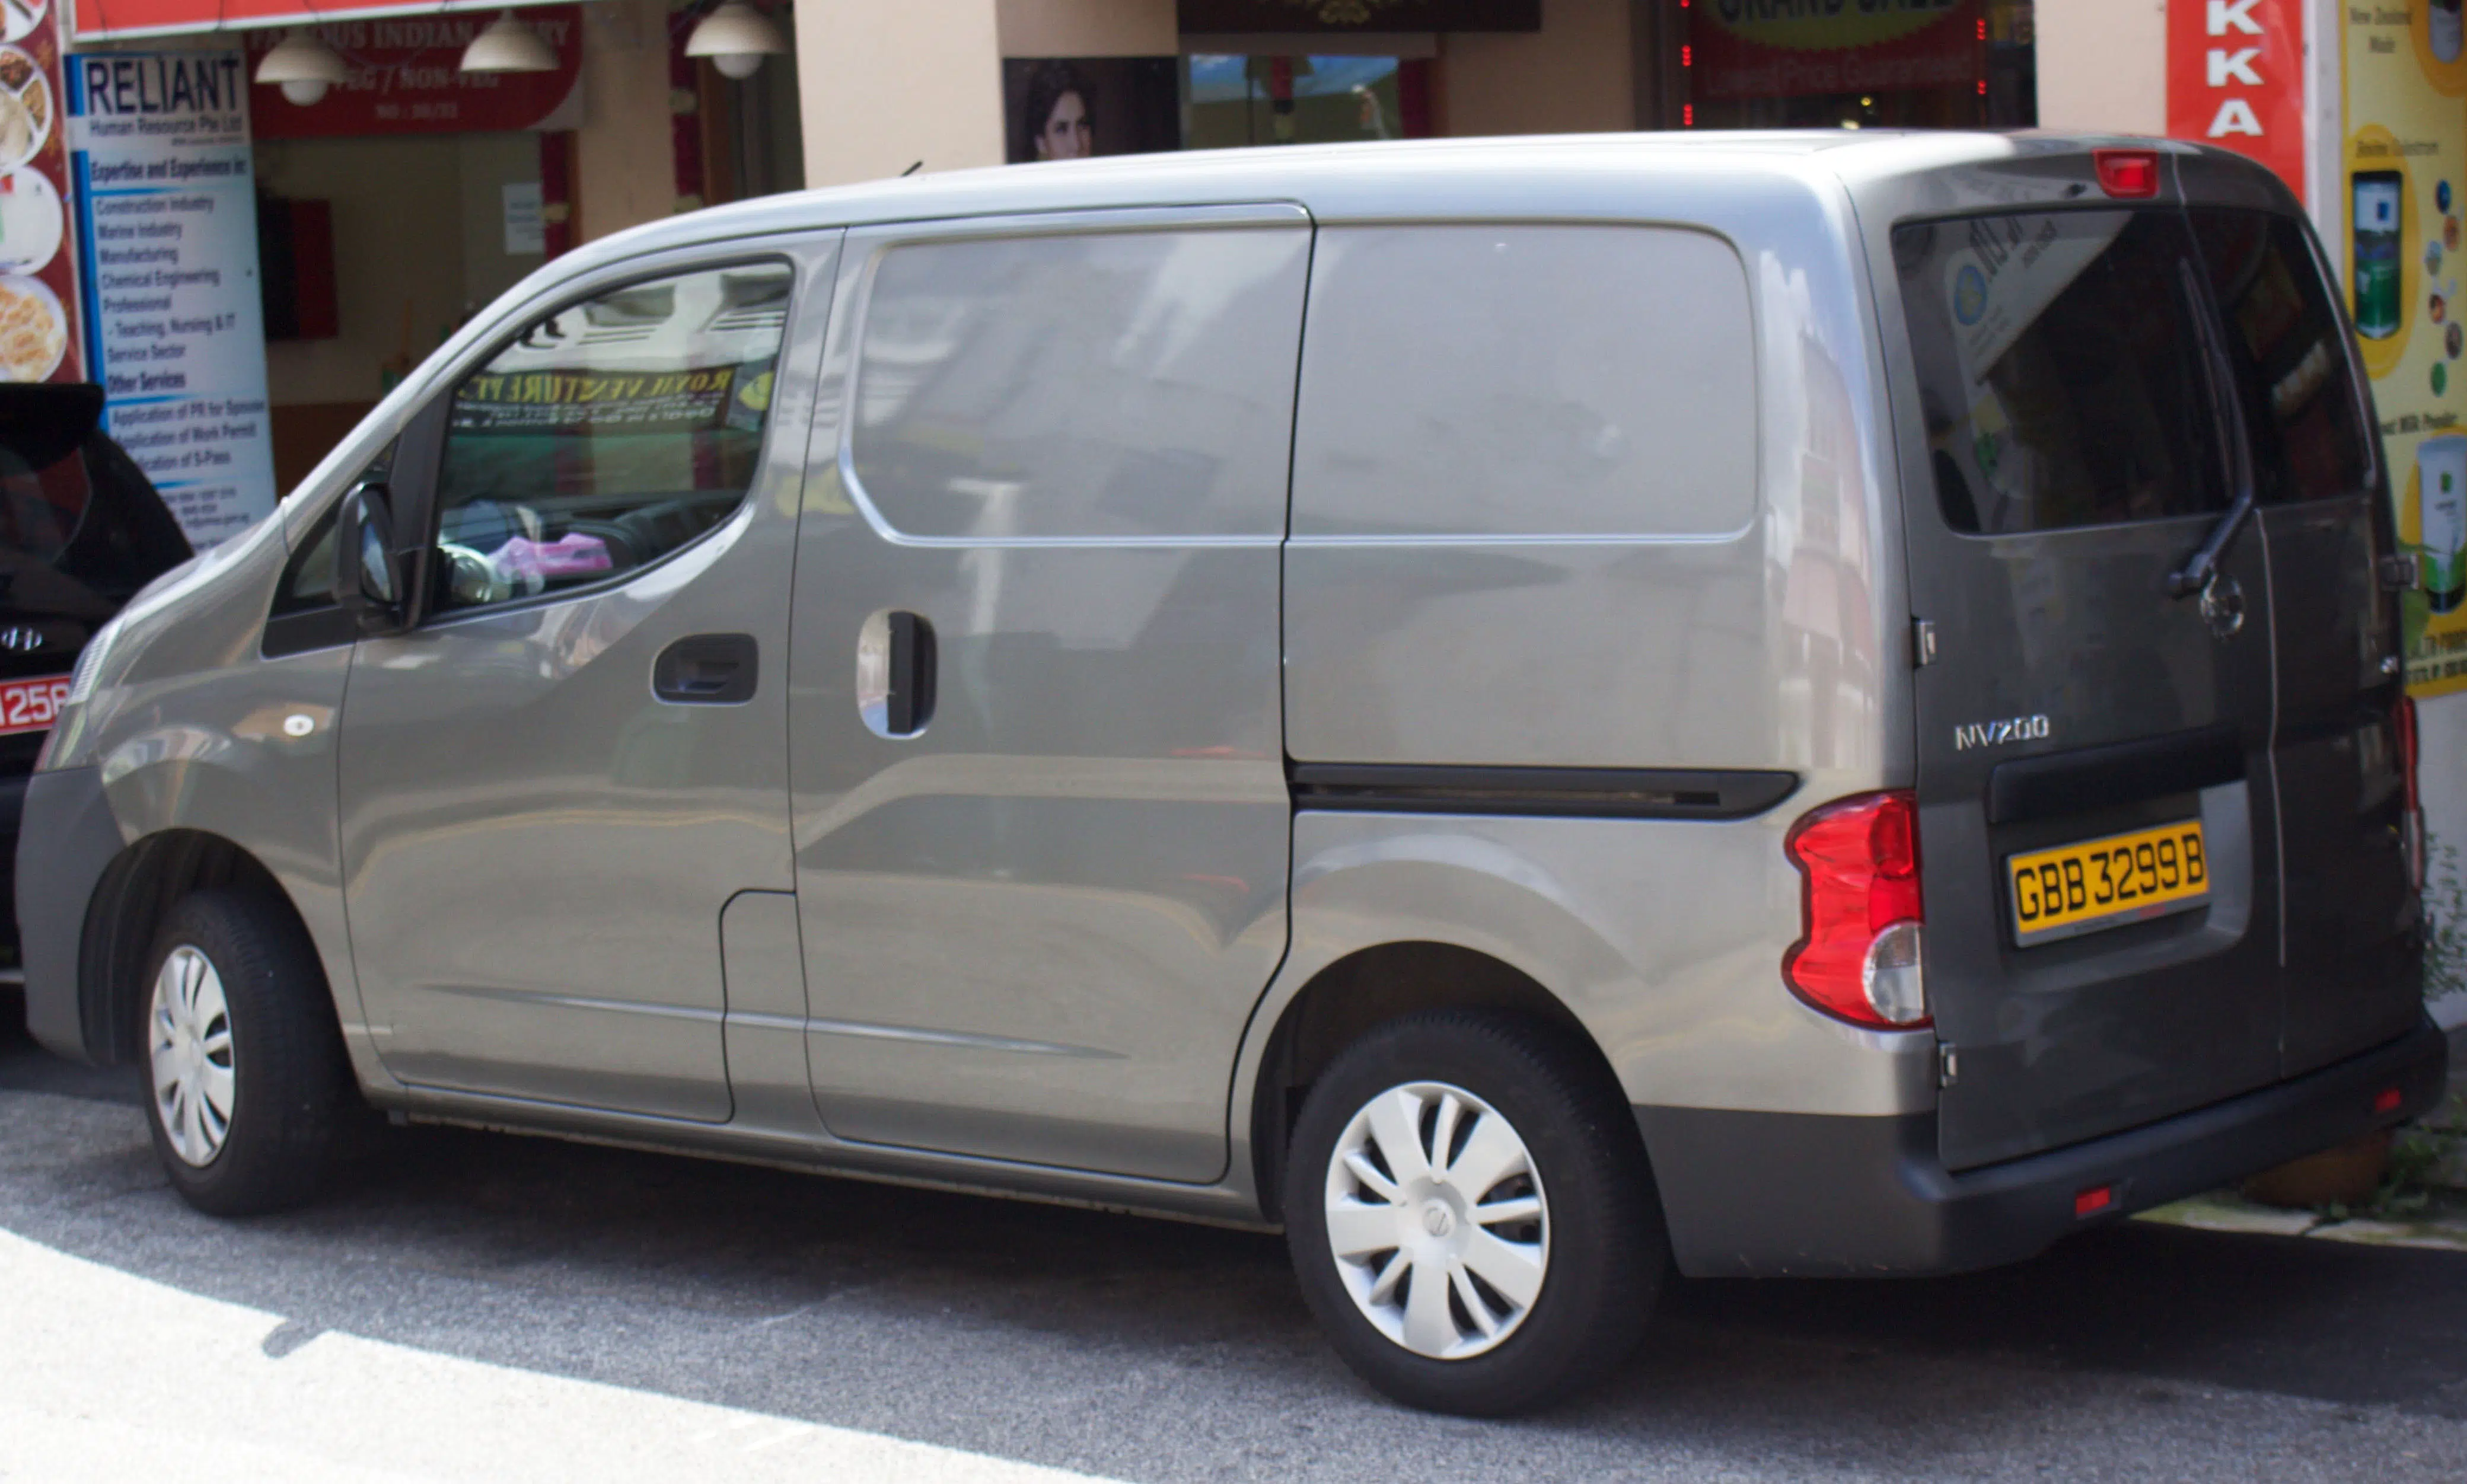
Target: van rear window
x,y
2293,367
2059,369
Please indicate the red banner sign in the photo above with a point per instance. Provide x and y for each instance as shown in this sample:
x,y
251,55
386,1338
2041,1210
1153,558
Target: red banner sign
x,y
405,79
2235,79
1745,49
38,298
95,19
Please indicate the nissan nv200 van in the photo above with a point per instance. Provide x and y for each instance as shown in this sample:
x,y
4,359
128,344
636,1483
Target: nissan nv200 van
x,y
1522,710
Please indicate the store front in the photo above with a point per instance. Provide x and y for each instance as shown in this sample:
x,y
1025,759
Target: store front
x,y
403,175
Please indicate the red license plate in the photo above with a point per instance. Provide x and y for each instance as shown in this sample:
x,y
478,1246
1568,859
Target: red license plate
x,y
32,705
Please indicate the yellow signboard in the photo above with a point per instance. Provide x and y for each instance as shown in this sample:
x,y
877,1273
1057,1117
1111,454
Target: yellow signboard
x,y
2404,171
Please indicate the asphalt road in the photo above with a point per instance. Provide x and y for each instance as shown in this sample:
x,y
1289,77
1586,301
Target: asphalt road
x,y
1144,1350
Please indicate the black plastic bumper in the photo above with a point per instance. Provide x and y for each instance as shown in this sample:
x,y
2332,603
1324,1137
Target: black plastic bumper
x,y
65,841
1804,1195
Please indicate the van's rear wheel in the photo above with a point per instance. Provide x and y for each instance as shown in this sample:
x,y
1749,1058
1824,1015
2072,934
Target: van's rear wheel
x,y
1470,1213
246,1078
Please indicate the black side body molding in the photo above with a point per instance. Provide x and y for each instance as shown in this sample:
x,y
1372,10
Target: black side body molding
x,y
1603,792
2123,773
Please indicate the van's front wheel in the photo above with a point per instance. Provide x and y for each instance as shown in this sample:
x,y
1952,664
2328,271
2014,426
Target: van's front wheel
x,y
246,1077
1470,1213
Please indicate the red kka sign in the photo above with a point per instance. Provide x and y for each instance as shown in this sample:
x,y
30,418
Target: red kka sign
x,y
2235,79
405,79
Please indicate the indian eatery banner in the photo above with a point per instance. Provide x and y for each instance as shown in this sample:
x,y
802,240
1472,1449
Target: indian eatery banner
x,y
38,291
1757,49
166,200
405,79
97,19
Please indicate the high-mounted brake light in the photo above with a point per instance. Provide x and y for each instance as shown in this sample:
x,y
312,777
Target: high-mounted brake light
x,y
2128,174
1860,915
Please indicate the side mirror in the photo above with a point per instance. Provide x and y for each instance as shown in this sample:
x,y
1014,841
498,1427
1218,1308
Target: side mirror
x,y
367,573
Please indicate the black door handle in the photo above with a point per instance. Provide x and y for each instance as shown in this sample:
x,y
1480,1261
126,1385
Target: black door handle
x,y
707,669
909,703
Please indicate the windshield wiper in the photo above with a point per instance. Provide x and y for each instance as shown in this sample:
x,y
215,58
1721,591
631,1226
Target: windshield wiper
x,y
2227,414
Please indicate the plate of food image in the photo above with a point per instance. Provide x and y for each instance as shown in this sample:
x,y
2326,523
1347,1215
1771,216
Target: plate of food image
x,y
33,330
32,221
25,107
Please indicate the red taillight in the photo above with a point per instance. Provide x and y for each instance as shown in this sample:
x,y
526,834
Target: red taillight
x,y
2387,1100
1858,952
2092,1201
2127,173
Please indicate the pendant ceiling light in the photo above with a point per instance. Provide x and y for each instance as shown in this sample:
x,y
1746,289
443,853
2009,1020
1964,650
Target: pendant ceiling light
x,y
303,66
735,37
508,45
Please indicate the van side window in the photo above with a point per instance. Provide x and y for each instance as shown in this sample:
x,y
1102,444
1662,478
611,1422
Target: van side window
x,y
2059,369
2292,365
1525,380
1087,385
607,435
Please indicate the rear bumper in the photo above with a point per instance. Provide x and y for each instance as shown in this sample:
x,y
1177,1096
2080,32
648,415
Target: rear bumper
x,y
1804,1195
65,841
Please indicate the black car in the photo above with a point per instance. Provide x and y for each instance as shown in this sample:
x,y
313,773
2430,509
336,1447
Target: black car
x,y
81,529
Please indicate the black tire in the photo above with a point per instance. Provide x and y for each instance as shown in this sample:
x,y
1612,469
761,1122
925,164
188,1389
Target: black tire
x,y
1607,1247
292,1093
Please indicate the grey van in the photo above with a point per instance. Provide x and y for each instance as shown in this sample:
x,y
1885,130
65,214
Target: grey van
x,y
1527,711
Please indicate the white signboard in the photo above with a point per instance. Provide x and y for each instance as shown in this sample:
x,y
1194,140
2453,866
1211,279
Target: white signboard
x,y
525,229
166,224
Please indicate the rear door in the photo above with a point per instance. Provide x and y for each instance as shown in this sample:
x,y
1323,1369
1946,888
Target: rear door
x,y
2350,972
2074,718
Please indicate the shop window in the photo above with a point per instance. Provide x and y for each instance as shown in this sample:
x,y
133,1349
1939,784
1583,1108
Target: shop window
x,y
1081,386
608,434
1548,380
1233,100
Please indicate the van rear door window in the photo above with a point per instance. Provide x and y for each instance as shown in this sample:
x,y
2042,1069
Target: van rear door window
x,y
2292,365
2059,369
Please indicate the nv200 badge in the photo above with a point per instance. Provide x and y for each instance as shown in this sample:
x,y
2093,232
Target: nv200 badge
x,y
1997,734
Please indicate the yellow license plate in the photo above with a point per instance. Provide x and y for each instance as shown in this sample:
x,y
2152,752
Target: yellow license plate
x,y
2090,885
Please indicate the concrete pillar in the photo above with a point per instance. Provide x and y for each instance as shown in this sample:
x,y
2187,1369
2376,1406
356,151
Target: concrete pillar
x,y
884,84
622,175
1573,75
2104,65
1089,28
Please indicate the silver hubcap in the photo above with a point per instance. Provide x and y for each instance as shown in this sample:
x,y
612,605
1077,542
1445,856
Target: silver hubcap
x,y
1438,1221
191,1052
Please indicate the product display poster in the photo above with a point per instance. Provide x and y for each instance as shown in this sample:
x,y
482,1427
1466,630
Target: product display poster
x,y
2402,194
166,203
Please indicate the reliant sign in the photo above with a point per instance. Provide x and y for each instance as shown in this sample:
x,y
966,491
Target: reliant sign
x,y
167,223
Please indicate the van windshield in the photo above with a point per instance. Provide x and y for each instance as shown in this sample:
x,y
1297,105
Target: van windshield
x,y
2059,369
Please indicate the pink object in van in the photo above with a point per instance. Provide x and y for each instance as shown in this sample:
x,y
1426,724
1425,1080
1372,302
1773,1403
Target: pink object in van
x,y
573,555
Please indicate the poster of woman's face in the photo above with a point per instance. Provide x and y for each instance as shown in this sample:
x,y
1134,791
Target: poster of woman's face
x,y
1069,109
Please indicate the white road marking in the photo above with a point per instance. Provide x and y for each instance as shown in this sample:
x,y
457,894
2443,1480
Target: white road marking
x,y
107,1376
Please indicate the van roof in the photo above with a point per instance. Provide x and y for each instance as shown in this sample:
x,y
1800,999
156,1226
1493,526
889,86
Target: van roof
x,y
1319,176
